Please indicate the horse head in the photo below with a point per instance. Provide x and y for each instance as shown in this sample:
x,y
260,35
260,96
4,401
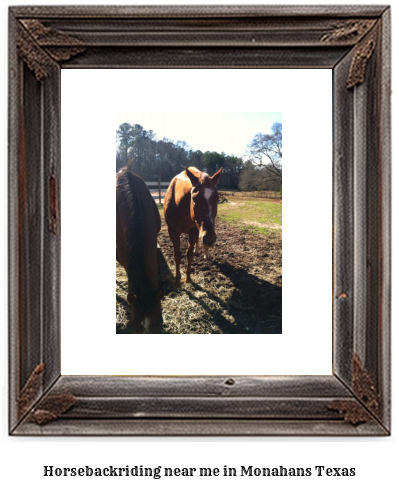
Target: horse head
x,y
204,205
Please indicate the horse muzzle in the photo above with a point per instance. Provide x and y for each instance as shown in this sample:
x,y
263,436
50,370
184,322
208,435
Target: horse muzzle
x,y
209,240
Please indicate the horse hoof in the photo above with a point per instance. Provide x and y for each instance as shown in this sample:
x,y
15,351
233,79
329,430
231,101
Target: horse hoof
x,y
188,280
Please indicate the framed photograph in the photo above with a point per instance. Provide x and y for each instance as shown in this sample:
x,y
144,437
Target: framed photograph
x,y
227,238
159,44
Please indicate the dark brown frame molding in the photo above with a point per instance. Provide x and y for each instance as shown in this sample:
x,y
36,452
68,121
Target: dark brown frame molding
x,y
353,41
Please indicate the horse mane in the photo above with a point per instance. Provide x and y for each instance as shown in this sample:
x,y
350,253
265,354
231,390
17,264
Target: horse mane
x,y
131,186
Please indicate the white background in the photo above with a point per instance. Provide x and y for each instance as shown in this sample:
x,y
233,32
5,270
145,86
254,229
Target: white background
x,y
90,100
375,459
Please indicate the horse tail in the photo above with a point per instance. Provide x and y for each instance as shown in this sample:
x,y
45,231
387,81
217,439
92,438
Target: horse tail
x,y
133,231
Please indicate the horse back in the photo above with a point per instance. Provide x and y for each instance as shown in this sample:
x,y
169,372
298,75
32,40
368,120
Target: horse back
x,y
137,225
177,204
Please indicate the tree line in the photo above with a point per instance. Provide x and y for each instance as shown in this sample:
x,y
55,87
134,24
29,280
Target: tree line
x,y
154,159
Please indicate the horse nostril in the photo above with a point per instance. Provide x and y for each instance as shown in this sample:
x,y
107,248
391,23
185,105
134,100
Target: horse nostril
x,y
209,241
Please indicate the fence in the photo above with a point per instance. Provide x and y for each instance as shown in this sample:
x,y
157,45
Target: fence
x,y
263,194
158,190
254,194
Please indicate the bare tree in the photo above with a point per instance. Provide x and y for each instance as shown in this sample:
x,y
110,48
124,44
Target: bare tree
x,y
267,151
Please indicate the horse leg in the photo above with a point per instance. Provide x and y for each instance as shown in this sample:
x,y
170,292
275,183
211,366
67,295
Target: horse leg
x,y
175,238
196,249
192,239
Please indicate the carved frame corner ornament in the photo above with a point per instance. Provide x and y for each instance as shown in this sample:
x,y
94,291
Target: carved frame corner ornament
x,y
30,390
38,45
366,406
362,32
350,31
362,54
41,410
354,43
51,407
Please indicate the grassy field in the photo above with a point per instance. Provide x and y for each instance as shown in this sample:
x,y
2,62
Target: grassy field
x,y
263,216
260,215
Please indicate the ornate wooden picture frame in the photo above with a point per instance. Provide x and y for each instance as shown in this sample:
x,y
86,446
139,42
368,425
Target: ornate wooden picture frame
x,y
352,41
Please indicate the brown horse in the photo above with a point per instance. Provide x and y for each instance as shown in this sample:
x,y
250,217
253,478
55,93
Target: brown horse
x,y
137,226
190,207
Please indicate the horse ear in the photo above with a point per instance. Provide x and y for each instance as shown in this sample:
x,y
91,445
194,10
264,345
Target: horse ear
x,y
194,180
216,176
160,294
132,299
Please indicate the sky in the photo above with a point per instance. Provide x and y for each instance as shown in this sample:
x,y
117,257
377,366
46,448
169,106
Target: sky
x,y
228,132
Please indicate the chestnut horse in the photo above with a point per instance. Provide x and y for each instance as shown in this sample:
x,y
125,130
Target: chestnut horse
x,y
190,207
137,226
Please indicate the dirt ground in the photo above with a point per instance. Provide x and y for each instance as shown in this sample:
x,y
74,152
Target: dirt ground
x,y
237,291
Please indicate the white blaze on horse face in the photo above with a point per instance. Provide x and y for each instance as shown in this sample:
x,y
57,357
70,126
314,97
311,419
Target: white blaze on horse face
x,y
210,217
208,193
